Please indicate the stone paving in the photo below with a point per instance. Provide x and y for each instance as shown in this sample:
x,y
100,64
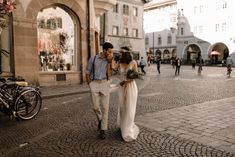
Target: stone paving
x,y
211,123
66,126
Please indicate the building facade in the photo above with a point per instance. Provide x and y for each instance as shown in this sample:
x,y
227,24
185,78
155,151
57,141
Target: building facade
x,y
123,26
160,20
204,27
50,42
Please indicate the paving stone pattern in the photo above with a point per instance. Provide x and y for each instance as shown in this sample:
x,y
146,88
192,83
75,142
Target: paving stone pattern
x,y
67,126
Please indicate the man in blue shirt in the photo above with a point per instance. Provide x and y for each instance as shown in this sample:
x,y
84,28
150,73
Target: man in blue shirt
x,y
98,76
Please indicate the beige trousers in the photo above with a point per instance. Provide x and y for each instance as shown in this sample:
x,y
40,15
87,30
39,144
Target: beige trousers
x,y
100,93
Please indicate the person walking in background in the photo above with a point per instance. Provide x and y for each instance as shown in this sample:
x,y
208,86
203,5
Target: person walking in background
x,y
193,63
173,62
149,60
98,75
142,65
158,64
229,63
200,63
178,63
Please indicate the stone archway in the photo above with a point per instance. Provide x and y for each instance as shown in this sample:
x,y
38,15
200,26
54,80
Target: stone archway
x,y
166,56
158,53
222,49
192,51
25,25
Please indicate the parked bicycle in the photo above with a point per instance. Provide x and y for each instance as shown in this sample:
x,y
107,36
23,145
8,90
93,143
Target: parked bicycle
x,y
18,99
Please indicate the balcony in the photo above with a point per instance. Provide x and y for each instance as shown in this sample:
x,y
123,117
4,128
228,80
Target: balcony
x,y
102,6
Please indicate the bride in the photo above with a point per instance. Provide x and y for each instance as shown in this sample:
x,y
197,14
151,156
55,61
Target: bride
x,y
128,93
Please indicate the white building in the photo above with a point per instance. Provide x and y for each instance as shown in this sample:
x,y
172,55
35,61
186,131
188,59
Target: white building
x,y
123,26
203,27
160,19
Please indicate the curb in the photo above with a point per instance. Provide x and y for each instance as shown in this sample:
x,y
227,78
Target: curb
x,y
63,94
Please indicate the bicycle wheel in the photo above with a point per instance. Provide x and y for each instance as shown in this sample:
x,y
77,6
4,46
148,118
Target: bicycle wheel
x,y
28,104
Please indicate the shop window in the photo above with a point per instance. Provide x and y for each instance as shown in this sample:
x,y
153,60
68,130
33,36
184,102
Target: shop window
x,y
56,40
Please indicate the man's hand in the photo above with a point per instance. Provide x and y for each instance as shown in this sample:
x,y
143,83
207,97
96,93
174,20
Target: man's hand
x,y
88,79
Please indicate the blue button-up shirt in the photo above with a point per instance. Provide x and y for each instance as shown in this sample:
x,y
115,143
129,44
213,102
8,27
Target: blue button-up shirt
x,y
100,66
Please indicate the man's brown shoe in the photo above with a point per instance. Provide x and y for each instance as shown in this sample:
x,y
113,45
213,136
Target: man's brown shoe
x,y
102,134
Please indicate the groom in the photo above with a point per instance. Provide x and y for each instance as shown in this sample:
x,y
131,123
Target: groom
x,y
98,74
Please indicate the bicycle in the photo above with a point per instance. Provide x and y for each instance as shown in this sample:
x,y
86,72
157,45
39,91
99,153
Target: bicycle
x,y
19,100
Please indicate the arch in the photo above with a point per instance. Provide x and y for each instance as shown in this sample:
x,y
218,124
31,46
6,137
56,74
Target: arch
x,y
158,52
36,5
191,51
222,49
166,56
173,53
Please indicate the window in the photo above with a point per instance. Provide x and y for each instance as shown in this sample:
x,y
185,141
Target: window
x,y
135,11
217,27
159,40
224,26
200,29
182,31
115,8
201,8
125,31
115,30
169,39
125,9
195,10
147,41
135,32
224,6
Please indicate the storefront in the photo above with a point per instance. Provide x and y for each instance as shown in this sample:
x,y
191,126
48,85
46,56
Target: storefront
x,y
50,41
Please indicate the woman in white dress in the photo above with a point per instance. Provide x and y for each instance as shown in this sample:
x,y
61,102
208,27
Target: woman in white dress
x,y
128,93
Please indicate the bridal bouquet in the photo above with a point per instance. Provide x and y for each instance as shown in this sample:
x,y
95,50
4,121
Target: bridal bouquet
x,y
132,74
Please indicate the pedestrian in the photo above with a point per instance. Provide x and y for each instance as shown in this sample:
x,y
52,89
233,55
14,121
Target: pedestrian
x,y
142,65
178,63
193,63
229,62
128,94
173,62
158,64
200,63
149,60
98,76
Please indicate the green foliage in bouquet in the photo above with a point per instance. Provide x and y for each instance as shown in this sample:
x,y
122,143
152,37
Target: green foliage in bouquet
x,y
132,74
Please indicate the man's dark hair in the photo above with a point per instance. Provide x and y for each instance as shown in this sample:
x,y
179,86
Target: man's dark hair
x,y
107,45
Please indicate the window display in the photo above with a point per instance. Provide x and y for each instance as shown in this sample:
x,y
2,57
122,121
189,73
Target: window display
x,y
55,40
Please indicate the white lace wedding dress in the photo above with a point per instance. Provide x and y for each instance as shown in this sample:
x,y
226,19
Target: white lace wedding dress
x,y
127,109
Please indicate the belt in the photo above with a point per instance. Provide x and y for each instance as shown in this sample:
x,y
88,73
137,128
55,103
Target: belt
x,y
99,81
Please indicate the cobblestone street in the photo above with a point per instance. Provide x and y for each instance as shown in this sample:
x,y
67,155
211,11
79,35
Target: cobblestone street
x,y
188,115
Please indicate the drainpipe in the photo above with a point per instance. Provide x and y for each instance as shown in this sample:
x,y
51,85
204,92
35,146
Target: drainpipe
x,y
88,30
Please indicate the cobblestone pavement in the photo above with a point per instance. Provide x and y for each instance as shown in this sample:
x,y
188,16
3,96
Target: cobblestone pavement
x,y
66,126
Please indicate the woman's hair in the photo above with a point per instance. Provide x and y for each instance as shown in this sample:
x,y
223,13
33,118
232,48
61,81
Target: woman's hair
x,y
126,57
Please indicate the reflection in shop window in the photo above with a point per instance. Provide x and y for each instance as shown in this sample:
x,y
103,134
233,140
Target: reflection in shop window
x,y
55,40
